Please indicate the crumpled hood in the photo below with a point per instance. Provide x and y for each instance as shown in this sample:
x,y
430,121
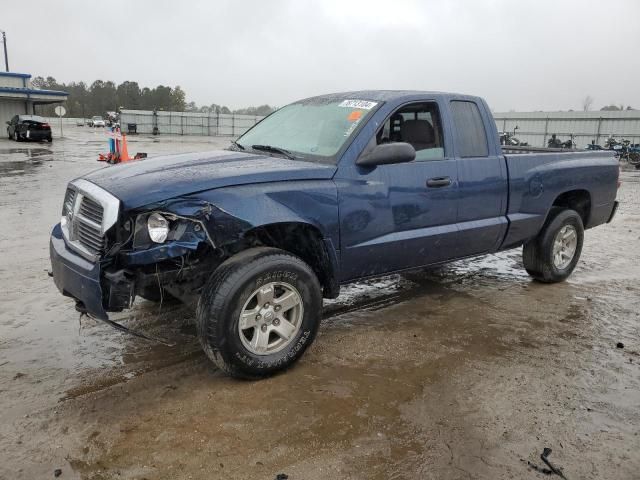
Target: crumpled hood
x,y
152,180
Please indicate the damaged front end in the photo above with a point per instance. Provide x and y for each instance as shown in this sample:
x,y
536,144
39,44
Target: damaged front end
x,y
104,258
169,249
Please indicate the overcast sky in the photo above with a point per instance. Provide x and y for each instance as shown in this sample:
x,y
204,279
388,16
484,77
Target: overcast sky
x,y
520,55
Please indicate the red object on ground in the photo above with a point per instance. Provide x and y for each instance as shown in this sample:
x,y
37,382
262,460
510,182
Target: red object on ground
x,y
121,153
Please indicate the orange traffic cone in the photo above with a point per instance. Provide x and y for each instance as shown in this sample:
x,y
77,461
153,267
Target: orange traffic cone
x,y
124,153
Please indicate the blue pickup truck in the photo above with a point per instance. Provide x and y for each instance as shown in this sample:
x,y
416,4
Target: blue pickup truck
x,y
322,192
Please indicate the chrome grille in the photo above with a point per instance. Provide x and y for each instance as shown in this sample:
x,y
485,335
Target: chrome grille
x,y
89,237
88,213
91,210
87,224
69,199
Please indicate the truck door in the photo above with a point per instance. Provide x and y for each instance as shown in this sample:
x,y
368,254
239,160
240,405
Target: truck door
x,y
403,215
482,179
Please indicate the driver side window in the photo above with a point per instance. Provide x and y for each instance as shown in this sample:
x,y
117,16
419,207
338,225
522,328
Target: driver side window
x,y
419,125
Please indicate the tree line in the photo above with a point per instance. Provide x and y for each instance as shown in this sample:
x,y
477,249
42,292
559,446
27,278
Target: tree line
x,y
587,103
105,96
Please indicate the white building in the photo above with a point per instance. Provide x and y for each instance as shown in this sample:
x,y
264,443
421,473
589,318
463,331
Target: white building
x,y
17,97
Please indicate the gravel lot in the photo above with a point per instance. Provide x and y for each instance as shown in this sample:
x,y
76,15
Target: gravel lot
x,y
468,371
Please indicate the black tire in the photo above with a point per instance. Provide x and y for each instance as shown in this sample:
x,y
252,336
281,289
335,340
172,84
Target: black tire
x,y
227,291
50,139
537,254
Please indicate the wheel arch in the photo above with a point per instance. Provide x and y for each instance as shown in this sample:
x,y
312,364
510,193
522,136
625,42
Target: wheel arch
x,y
578,200
305,241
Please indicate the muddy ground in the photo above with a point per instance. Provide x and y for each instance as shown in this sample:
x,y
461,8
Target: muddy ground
x,y
468,371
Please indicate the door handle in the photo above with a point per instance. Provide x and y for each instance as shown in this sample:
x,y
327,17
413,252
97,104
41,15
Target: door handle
x,y
438,182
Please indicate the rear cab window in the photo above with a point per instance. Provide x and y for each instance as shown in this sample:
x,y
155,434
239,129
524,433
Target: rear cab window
x,y
469,131
419,125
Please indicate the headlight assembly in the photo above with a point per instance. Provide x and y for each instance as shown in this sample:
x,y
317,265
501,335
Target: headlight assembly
x,y
158,228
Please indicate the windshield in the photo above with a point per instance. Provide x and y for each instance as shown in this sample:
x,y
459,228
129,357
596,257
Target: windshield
x,y
314,129
97,118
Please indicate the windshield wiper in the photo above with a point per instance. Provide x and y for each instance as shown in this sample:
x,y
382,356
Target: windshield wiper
x,y
272,149
237,145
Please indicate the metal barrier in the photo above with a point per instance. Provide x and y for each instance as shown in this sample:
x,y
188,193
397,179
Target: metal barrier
x,y
187,123
533,127
536,128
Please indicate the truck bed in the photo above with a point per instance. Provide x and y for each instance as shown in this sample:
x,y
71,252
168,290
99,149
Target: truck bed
x,y
540,178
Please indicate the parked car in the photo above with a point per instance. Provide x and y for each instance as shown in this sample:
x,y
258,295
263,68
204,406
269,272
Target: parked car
x,y
323,192
29,127
96,121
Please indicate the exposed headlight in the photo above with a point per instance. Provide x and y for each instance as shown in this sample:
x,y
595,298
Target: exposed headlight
x,y
158,227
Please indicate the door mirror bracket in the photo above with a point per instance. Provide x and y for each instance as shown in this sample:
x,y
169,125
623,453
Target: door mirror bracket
x,y
387,154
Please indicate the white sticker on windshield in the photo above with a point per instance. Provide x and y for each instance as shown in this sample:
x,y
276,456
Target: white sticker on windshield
x,y
363,104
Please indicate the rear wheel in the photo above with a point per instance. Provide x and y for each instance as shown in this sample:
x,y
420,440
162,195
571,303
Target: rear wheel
x,y
259,312
554,253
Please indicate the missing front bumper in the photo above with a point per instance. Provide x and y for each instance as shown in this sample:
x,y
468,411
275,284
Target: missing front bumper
x,y
75,276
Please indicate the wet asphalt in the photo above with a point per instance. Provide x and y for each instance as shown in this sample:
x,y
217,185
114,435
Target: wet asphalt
x,y
467,371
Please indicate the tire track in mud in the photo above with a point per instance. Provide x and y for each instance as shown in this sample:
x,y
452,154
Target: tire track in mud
x,y
196,354
360,297
368,299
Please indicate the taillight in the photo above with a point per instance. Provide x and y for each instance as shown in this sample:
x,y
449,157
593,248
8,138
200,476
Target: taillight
x,y
45,125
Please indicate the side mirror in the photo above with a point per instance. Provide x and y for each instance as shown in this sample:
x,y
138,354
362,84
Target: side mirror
x,y
8,122
388,153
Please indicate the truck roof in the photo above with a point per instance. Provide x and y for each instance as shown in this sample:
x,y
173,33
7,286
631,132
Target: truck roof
x,y
390,95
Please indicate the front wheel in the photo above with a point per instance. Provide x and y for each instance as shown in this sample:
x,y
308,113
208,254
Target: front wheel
x,y
554,253
259,312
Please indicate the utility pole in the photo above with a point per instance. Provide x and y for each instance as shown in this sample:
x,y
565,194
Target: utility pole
x,y
6,56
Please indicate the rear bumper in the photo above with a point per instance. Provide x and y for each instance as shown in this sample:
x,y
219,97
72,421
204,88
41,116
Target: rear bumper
x,y
75,276
36,135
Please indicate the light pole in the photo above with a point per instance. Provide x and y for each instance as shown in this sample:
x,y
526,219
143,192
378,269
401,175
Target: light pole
x,y
6,56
